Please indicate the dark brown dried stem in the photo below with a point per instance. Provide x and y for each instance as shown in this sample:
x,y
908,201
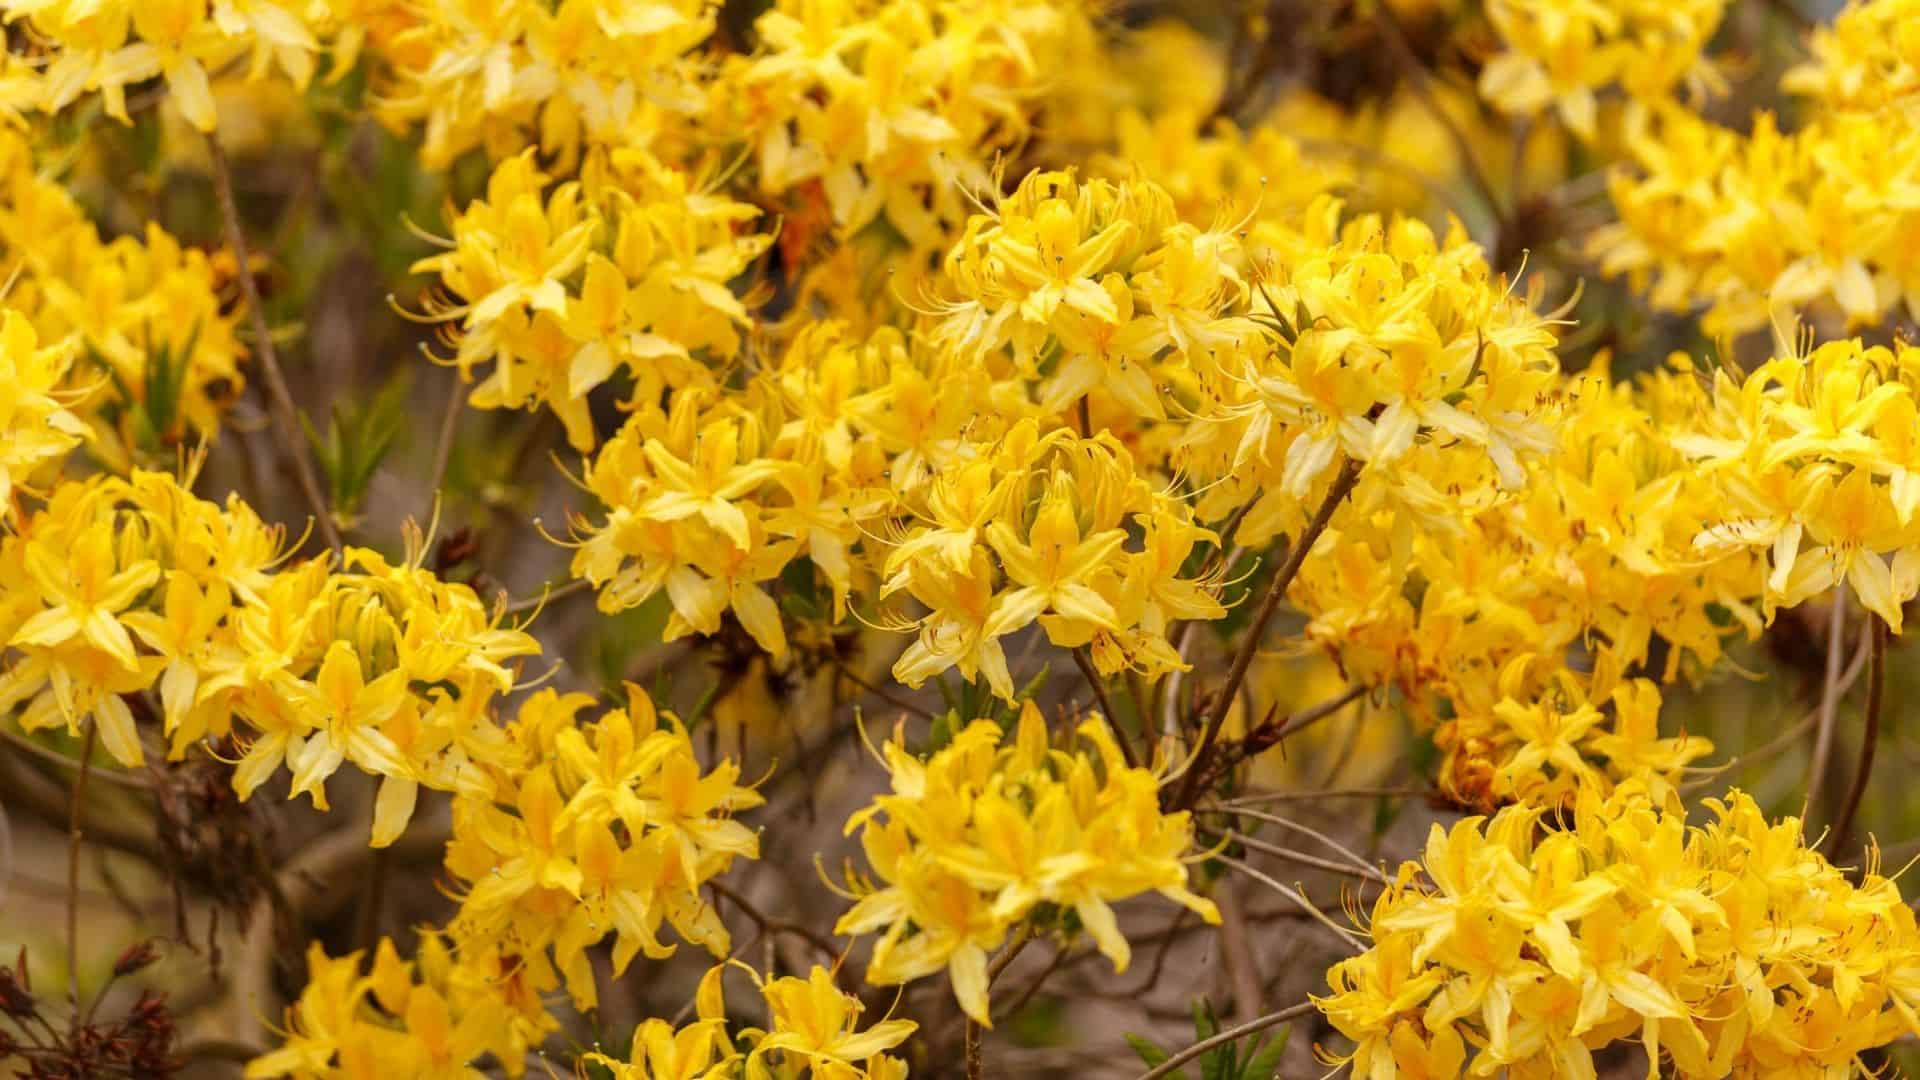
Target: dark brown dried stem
x,y
286,417
75,833
1343,484
1831,691
1422,85
449,425
890,698
1106,707
770,925
999,964
1869,739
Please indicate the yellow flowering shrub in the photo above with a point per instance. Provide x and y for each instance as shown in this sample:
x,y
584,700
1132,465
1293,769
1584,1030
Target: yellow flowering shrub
x,y
39,427
1219,446
1525,944
971,842
156,357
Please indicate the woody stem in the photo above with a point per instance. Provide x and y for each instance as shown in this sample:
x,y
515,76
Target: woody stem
x,y
971,1050
1296,557
286,418
1869,737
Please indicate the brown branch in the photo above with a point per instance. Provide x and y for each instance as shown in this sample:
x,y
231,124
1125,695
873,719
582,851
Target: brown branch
x,y
449,425
1269,735
75,833
286,417
1085,664
771,925
1830,694
890,698
1869,738
1422,84
30,790
1342,486
1232,1034
54,757
1287,854
971,1044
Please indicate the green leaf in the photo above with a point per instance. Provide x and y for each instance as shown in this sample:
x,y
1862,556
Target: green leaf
x,y
1266,1062
1204,1023
357,442
1152,1055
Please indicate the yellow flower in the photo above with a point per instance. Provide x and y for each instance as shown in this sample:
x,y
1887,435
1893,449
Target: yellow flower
x,y
34,419
971,841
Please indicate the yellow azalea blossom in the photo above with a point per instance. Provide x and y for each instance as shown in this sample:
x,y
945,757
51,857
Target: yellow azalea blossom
x,y
1617,922
37,423
1078,829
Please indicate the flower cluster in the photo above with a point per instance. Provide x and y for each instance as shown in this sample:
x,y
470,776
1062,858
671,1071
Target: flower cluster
x,y
433,1016
860,111
1388,342
1596,555
157,359
564,77
1562,55
812,1030
974,840
84,48
591,829
1527,945
1547,749
437,1015
1750,225
36,427
120,586
1815,461
562,289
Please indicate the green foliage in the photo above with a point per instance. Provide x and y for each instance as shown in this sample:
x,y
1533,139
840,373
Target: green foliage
x,y
1253,1058
358,439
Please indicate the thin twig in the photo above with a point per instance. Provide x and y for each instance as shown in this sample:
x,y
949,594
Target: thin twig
x,y
1292,855
1353,858
286,417
1298,898
116,776
1292,725
771,925
1013,1007
1330,793
1232,1034
1708,775
1236,952
1106,707
890,698
548,594
75,833
1830,695
1301,721
1422,84
971,1038
449,425
1869,738
1342,486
